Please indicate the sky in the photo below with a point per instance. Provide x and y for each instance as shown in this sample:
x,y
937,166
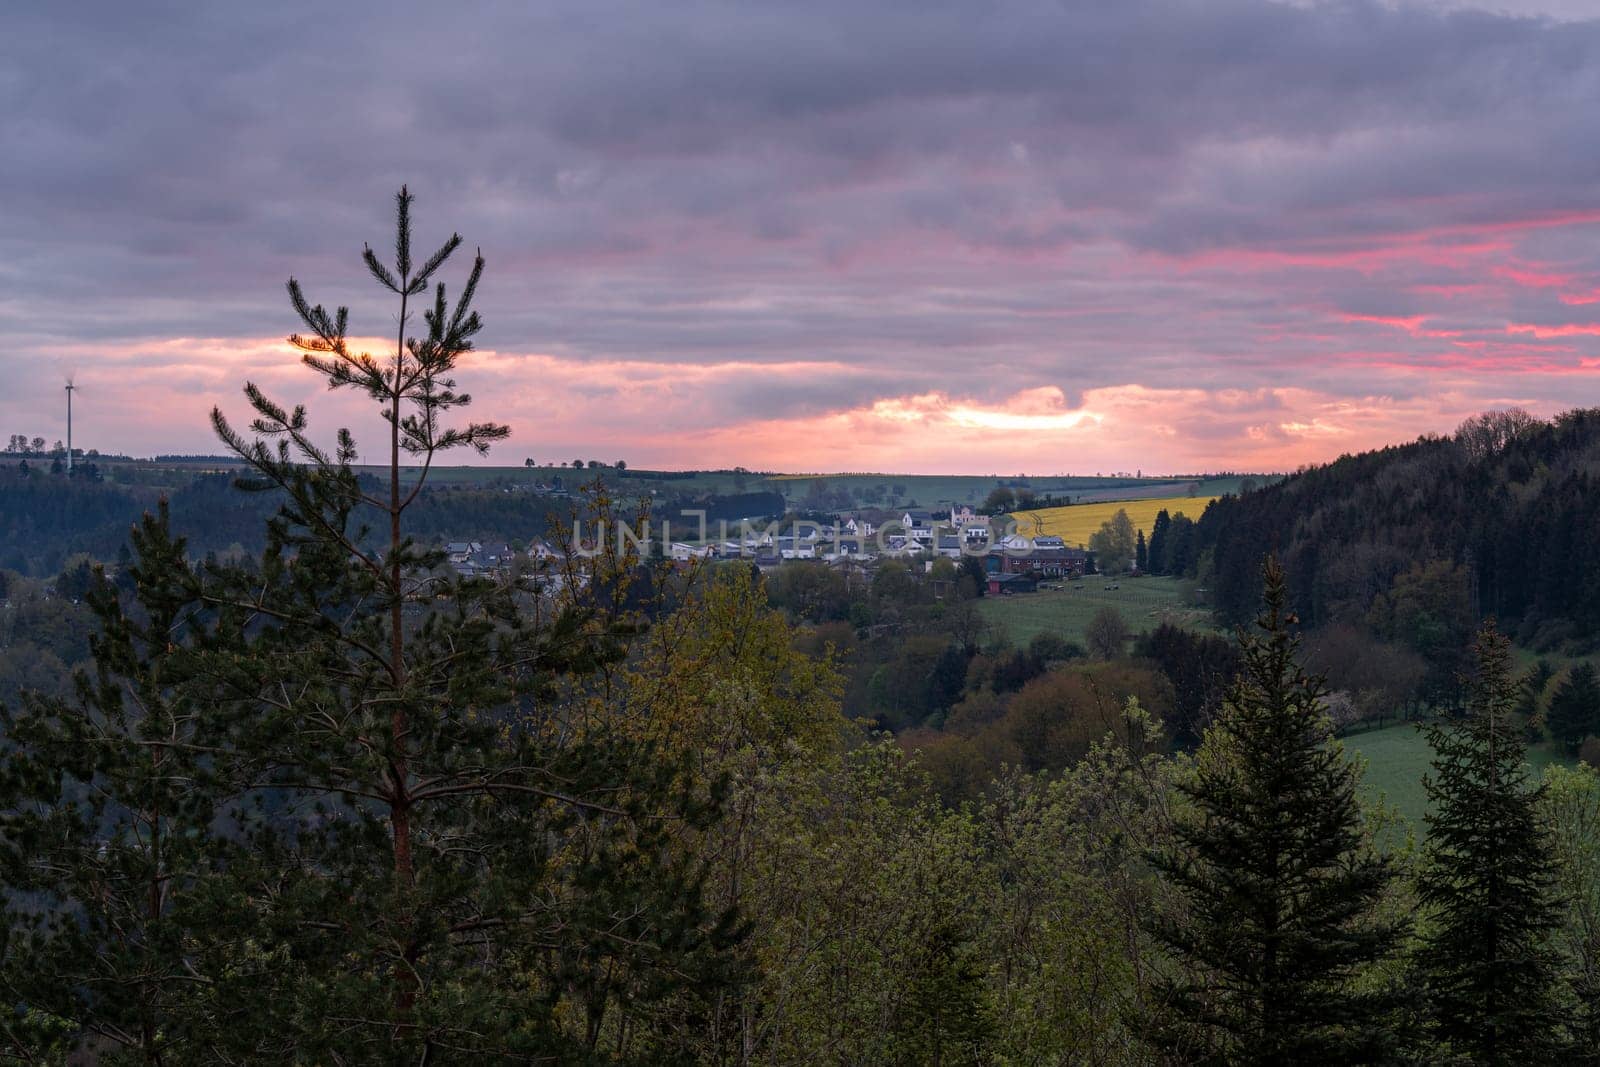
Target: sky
x,y
995,236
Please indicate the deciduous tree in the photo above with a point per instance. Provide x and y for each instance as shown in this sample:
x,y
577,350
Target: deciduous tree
x,y
1113,544
1570,808
1107,633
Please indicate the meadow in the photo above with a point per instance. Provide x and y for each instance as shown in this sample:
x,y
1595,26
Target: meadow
x,y
930,490
1076,522
1143,602
882,490
1395,757
1398,756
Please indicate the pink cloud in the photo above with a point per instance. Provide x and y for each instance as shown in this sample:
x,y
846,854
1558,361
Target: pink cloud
x,y
688,413
1563,330
1167,429
1411,324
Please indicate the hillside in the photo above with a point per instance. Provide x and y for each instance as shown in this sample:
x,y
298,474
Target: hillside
x,y
46,518
1421,539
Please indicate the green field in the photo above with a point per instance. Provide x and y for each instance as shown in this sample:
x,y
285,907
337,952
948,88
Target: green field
x,y
1398,756
875,489
931,490
882,490
1143,602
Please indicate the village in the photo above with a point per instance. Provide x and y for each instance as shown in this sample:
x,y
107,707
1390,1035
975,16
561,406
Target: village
x,y
856,542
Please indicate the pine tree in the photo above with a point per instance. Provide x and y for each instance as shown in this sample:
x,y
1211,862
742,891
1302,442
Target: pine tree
x,y
1487,886
1575,707
109,864
341,806
1141,557
1277,883
509,842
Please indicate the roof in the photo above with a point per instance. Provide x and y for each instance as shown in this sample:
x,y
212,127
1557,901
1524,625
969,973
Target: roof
x,y
1058,553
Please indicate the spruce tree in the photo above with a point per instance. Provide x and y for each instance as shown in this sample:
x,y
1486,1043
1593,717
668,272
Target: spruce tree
x,y
1277,883
1575,707
1532,687
1157,549
1487,887
943,1016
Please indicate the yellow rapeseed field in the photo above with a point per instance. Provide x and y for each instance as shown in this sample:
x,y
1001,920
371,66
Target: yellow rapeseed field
x,y
1074,524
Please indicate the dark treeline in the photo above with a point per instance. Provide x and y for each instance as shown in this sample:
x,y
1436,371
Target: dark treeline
x,y
47,518
685,513
1499,518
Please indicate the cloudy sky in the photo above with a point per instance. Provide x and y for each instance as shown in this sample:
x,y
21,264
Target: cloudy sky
x,y
995,236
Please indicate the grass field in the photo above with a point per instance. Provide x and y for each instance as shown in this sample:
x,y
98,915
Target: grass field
x,y
1206,488
883,489
1143,602
931,490
920,490
701,481
1075,523
1397,757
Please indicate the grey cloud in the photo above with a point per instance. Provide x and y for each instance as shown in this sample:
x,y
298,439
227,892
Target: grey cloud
x,y
924,190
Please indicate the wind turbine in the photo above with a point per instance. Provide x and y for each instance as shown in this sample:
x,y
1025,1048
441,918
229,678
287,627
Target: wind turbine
x,y
70,388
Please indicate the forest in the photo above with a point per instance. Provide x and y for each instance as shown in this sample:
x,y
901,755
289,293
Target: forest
x,y
47,518
1506,507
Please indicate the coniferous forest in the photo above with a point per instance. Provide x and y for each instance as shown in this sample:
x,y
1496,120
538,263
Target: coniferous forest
x,y
324,801
1507,507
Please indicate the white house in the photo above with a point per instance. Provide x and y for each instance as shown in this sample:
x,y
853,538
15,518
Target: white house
x,y
796,547
919,525
858,527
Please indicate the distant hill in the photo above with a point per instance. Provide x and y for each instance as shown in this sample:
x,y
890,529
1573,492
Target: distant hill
x,y
1502,519
46,517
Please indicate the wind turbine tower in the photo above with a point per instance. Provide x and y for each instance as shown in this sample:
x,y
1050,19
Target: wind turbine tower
x,y
69,425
